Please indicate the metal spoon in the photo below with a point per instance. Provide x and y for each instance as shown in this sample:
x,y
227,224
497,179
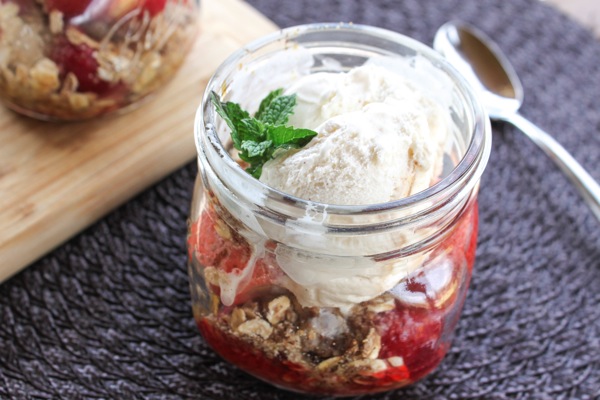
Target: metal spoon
x,y
482,63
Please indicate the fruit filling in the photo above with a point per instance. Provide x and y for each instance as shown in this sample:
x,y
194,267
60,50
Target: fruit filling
x,y
387,342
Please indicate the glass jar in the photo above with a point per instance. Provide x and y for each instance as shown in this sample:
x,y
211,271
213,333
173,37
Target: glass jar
x,y
70,60
323,298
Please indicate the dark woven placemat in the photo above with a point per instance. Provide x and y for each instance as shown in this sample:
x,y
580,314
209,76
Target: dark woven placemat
x,y
107,315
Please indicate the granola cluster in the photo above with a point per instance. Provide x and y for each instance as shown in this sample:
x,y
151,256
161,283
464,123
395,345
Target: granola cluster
x,y
324,349
57,67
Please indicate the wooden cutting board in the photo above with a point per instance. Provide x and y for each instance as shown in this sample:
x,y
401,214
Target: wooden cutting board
x,y
56,179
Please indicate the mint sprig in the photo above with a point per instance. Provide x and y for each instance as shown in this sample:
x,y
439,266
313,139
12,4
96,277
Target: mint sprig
x,y
257,138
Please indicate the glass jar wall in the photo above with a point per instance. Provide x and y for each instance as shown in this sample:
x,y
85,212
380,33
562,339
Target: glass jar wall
x,y
72,60
323,298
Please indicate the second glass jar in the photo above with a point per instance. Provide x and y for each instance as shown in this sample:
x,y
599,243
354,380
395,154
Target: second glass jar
x,y
68,60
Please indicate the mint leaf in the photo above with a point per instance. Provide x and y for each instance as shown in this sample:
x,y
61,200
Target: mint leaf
x,y
250,160
256,149
258,138
287,135
279,110
214,98
232,114
251,129
266,102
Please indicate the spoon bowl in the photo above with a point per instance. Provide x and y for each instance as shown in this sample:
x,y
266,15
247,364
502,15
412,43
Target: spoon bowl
x,y
483,64
489,72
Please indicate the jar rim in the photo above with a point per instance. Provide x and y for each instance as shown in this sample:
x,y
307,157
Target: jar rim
x,y
470,166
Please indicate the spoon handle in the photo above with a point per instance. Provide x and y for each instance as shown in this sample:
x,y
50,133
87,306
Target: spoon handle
x,y
583,181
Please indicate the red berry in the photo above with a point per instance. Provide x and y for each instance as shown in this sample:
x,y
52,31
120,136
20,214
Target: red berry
x,y
154,6
391,376
413,334
69,8
80,60
264,275
215,244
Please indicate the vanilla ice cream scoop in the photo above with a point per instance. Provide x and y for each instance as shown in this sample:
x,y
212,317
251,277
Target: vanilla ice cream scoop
x,y
379,138
376,141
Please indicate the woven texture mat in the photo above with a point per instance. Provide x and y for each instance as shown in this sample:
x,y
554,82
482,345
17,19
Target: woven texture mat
x,y
108,315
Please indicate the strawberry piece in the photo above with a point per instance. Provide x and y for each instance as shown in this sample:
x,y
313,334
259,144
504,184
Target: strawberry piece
x,y
69,8
392,375
80,60
154,6
212,243
264,274
413,334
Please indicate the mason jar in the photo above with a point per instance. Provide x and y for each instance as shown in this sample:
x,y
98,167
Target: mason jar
x,y
324,298
69,60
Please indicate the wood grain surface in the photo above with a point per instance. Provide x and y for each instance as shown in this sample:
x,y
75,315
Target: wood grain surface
x,y
56,179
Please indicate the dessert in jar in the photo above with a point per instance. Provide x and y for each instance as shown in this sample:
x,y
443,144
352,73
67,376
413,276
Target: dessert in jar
x,y
333,227
70,60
